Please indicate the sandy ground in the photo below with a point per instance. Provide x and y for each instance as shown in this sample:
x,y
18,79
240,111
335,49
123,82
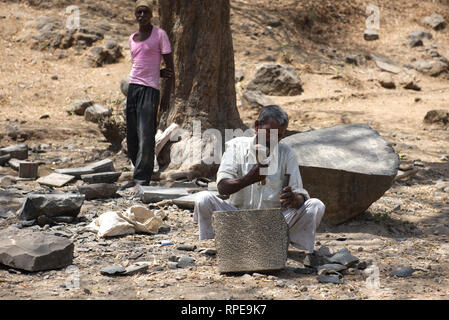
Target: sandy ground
x,y
397,230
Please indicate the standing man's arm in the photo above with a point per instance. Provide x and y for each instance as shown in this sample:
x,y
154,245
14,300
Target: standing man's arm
x,y
168,73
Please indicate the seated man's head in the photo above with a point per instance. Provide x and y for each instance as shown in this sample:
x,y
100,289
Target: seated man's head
x,y
271,118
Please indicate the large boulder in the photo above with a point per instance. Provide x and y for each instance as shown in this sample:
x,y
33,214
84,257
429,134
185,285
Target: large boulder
x,y
348,167
250,240
435,21
276,80
34,251
51,205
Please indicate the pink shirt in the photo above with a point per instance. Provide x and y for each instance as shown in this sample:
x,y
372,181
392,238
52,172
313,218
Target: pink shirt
x,y
146,56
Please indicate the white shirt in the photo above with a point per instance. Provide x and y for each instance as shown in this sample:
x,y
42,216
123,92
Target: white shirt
x,y
239,158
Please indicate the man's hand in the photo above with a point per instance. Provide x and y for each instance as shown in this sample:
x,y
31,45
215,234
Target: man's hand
x,y
290,199
166,73
254,175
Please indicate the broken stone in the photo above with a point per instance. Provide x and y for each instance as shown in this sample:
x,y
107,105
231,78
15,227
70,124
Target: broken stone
x,y
14,164
106,165
101,177
139,267
329,268
255,100
4,159
19,151
80,106
154,194
435,21
186,247
185,261
277,80
7,181
358,165
386,81
98,190
329,279
370,35
188,201
402,272
420,35
430,67
55,180
313,260
385,64
50,205
75,172
34,251
343,257
96,112
250,240
437,116
28,169
112,270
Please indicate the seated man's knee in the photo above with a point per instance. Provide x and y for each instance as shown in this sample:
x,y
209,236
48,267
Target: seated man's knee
x,y
316,205
203,198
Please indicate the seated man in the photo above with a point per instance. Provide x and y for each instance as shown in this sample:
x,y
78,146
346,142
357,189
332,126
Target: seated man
x,y
243,176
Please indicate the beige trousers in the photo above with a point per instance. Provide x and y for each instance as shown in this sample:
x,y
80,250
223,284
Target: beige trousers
x,y
302,222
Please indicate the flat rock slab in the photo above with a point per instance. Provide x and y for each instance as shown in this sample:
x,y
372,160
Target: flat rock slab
x,y
18,151
250,240
348,167
4,159
98,190
112,270
50,205
154,194
106,165
330,268
102,177
343,257
329,279
76,172
385,64
55,179
188,202
34,251
403,272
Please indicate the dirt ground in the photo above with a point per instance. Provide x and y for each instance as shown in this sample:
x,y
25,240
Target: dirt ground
x,y
400,229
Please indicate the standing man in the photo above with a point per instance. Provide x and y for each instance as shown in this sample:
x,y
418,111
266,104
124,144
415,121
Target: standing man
x,y
241,176
147,46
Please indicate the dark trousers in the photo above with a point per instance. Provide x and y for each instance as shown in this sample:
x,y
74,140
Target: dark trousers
x,y
141,124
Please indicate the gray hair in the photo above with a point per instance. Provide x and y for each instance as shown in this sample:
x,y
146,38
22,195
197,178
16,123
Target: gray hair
x,y
273,112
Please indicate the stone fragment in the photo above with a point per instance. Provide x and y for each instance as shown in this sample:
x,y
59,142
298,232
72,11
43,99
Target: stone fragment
x,y
386,81
98,190
112,270
329,268
255,100
79,107
4,159
75,172
402,272
276,80
101,177
96,112
370,35
50,205
343,257
250,240
440,116
385,64
435,21
154,194
430,67
55,180
34,251
28,169
419,35
18,151
358,165
136,268
106,165
329,279
186,247
185,261
188,201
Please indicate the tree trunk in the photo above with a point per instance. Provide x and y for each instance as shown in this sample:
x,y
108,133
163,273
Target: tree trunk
x,y
201,39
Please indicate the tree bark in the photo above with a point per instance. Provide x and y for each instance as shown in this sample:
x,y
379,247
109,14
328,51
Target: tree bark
x,y
201,39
